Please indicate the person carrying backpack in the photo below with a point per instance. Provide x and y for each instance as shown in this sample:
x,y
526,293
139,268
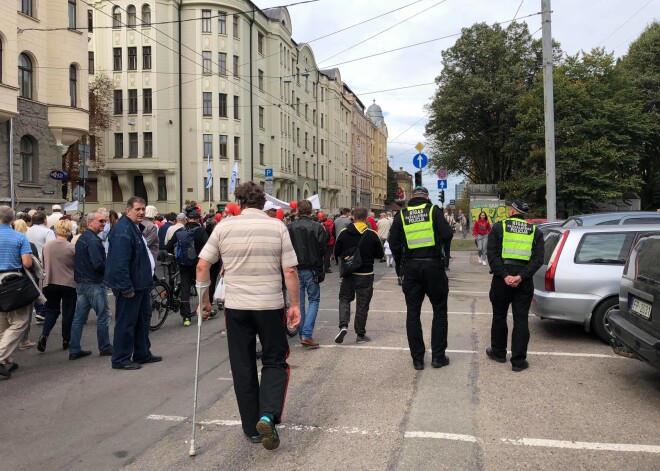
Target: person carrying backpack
x,y
186,244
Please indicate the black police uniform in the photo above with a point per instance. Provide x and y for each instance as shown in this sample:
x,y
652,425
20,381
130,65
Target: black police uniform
x,y
423,271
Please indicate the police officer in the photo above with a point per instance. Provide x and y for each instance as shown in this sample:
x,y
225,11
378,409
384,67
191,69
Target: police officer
x,y
515,252
416,240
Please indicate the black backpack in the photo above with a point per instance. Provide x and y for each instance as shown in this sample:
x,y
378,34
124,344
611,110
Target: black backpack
x,y
186,255
351,259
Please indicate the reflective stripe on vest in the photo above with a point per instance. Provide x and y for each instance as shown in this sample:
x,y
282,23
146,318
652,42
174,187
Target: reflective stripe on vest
x,y
418,226
517,239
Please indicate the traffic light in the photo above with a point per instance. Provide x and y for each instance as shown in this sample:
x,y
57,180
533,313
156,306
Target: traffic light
x,y
418,178
442,196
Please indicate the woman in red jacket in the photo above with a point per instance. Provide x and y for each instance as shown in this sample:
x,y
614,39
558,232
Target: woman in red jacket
x,y
480,232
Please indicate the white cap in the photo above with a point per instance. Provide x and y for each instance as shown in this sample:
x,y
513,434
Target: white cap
x,y
270,205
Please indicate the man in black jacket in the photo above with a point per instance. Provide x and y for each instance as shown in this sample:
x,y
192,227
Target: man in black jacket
x,y
416,239
308,239
359,285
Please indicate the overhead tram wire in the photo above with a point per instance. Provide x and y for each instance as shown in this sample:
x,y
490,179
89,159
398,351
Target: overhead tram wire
x,y
518,10
383,31
624,23
426,115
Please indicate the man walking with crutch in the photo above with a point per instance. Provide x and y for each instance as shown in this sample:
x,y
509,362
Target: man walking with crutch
x,y
255,249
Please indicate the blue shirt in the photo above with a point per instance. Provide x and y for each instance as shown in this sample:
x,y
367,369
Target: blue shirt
x,y
13,244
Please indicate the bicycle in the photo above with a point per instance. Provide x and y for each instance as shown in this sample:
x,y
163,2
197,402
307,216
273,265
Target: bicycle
x,y
165,294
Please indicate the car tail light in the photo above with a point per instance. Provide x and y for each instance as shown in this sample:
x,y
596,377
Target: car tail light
x,y
552,266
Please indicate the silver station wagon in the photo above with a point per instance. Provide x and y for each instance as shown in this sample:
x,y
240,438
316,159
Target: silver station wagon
x,y
580,279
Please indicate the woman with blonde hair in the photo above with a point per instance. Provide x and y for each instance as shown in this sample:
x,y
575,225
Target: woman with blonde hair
x,y
59,287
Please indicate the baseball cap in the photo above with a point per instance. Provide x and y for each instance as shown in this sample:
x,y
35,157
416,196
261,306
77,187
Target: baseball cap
x,y
270,206
56,207
194,215
518,205
420,190
181,216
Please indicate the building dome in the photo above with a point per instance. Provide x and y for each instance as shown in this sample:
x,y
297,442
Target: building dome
x,y
375,114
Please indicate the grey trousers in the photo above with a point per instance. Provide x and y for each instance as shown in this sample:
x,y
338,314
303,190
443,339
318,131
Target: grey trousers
x,y
12,326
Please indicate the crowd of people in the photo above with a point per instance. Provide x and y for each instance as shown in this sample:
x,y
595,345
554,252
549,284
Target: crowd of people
x,y
66,265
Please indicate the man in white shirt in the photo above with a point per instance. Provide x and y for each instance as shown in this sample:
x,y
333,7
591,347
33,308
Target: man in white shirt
x,y
38,233
181,220
55,216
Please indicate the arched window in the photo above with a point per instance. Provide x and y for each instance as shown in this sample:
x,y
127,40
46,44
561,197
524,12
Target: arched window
x,y
73,85
131,18
116,17
25,76
2,56
72,14
146,15
29,158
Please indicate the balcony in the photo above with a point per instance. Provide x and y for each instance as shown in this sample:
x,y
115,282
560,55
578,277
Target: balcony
x,y
67,124
8,102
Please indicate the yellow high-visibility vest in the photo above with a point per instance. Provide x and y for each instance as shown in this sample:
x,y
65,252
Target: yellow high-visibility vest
x,y
418,226
517,239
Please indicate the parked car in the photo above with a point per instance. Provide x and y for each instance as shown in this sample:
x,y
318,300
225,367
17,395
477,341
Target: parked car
x,y
545,227
636,324
613,219
580,279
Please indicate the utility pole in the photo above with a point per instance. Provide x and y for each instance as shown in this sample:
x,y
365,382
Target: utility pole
x,y
549,108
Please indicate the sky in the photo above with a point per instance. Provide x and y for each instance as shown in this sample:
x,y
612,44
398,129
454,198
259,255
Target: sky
x,y
576,24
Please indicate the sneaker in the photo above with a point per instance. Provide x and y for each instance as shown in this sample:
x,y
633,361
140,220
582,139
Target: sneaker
x,y
362,338
522,366
253,438
39,318
484,263
26,345
41,344
187,322
340,336
269,437
480,260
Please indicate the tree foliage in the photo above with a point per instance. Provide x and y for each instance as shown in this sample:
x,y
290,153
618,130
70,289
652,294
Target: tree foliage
x,y
391,186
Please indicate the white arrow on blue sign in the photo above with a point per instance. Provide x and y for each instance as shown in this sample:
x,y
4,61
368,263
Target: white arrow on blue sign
x,y
420,161
442,184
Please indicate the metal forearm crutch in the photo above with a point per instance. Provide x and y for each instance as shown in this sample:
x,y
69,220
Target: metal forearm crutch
x,y
201,286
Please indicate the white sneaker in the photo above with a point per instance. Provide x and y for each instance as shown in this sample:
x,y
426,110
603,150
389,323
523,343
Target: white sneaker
x,y
484,263
480,259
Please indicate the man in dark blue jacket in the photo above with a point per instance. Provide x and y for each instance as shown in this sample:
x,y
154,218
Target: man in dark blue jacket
x,y
92,293
129,272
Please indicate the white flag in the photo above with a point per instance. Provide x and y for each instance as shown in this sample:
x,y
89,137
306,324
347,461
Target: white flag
x,y
209,173
234,176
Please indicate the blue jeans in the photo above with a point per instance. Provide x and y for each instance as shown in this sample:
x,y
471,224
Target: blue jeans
x,y
308,318
91,296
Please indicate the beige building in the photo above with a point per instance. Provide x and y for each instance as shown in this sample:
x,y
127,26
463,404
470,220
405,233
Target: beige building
x,y
379,168
250,96
43,95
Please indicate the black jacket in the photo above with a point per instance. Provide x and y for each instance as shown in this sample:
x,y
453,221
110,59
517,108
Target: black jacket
x,y
370,248
90,259
397,238
308,239
199,238
503,269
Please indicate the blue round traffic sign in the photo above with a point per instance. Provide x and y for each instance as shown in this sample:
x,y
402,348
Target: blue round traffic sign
x,y
420,161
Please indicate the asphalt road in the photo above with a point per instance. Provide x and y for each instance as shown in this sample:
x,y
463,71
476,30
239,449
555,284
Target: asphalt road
x,y
349,407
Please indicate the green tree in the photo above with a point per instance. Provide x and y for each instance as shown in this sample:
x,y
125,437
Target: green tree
x,y
642,66
473,111
598,136
391,186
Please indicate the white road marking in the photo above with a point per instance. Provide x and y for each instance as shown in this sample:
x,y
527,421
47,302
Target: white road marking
x,y
167,418
442,436
583,445
225,379
226,423
403,311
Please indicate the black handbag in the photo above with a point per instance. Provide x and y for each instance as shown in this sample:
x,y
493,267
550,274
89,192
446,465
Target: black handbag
x,y
351,260
17,291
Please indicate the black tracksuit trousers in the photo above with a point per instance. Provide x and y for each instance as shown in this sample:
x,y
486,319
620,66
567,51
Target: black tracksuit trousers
x,y
520,299
254,399
426,278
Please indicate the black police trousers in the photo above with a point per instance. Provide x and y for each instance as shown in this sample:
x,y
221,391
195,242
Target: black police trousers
x,y
426,278
520,299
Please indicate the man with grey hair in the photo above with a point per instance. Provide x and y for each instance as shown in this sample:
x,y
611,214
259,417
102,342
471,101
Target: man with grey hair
x,y
181,221
92,293
15,255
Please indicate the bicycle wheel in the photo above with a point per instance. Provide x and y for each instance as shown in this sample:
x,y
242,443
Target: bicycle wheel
x,y
194,300
160,295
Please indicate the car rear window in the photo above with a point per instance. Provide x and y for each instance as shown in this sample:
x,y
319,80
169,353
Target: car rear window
x,y
648,259
643,220
551,242
611,222
604,248
571,222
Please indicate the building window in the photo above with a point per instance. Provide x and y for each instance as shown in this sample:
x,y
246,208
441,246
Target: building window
x,y
116,17
28,158
262,149
138,187
222,22
25,76
119,145
147,102
146,15
222,105
206,21
223,146
25,7
132,101
235,66
132,144
261,117
236,31
162,188
224,189
207,104
208,145
222,63
90,21
90,62
146,57
131,17
236,112
1,58
72,14
261,80
116,56
148,144
206,62
314,144
73,85
118,102
260,43
132,58
237,148
322,147
306,141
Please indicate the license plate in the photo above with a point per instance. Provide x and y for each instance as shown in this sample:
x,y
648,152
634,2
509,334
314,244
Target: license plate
x,y
641,308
